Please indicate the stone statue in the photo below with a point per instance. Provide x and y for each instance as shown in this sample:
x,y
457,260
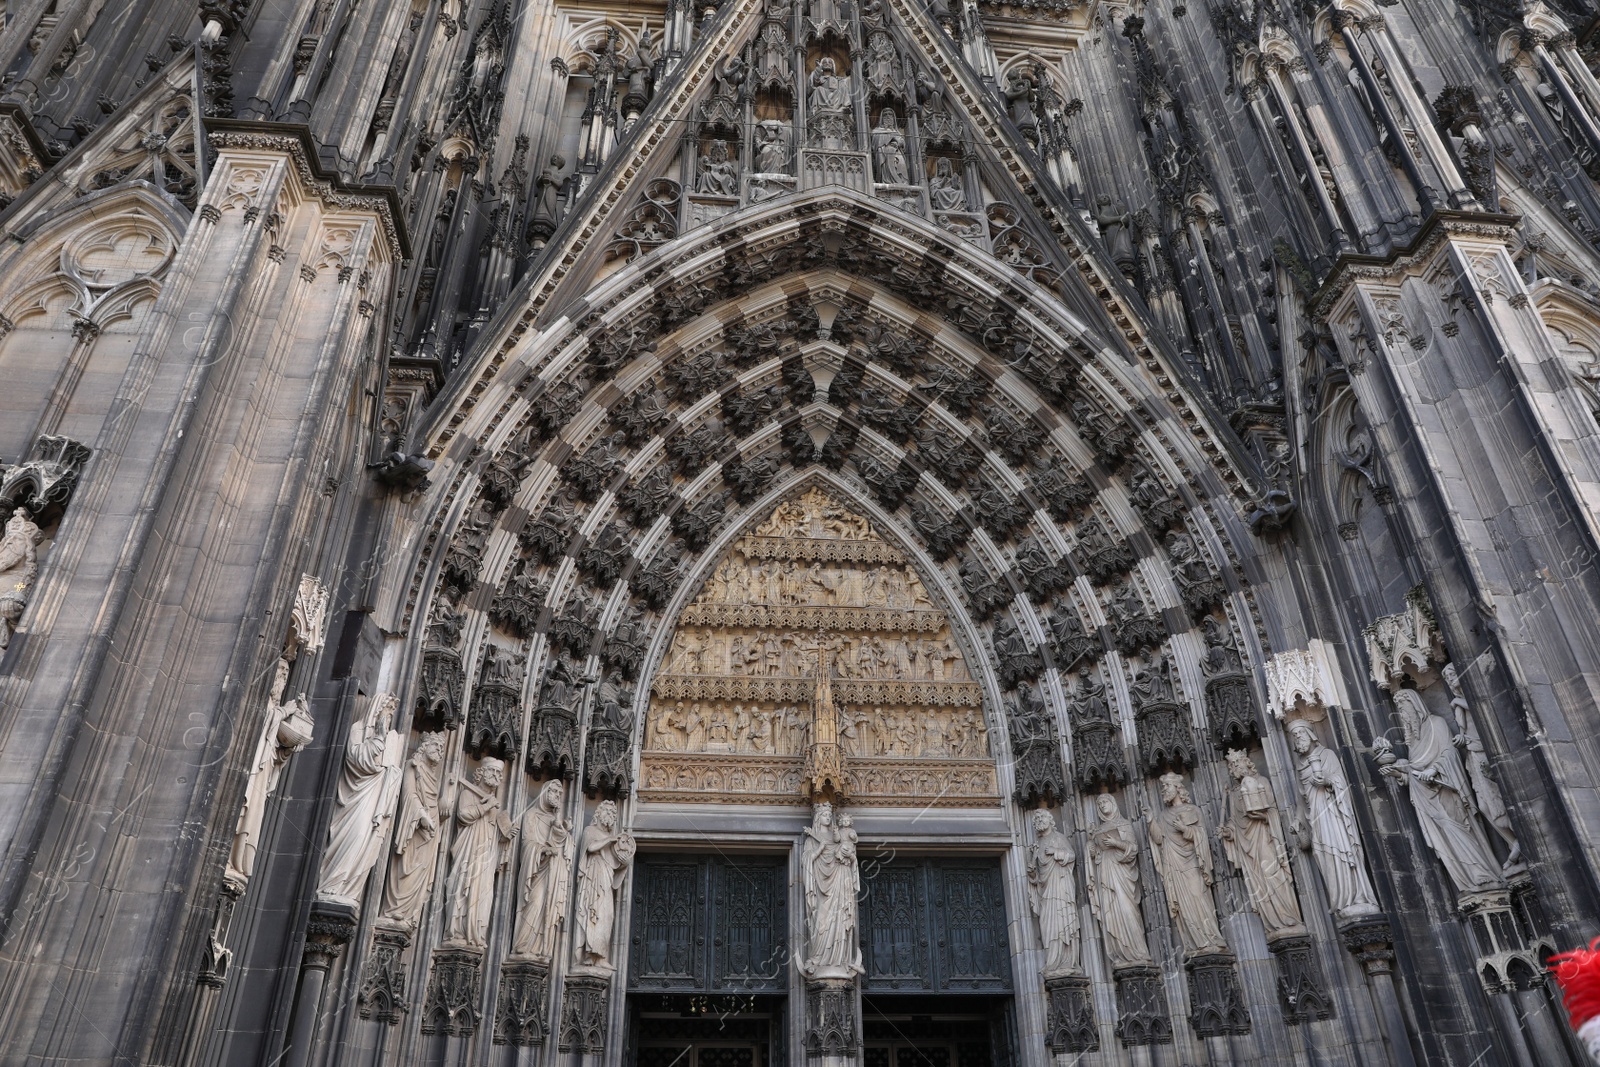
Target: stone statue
x,y
1182,854
1113,877
1484,790
1053,895
606,856
719,175
830,91
1335,842
832,885
287,730
478,852
772,147
614,704
1253,840
1112,218
945,187
888,149
365,803
1440,794
544,867
416,839
19,566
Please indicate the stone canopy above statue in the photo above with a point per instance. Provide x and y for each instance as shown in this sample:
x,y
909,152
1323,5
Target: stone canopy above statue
x,y
813,588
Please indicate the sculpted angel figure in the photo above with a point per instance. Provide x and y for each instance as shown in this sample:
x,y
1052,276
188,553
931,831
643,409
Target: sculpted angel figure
x,y
286,730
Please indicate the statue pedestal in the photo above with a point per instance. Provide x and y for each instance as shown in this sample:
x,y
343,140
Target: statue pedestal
x,y
1216,1003
1141,1008
1069,1026
585,1005
383,979
520,1010
1301,990
455,983
831,1018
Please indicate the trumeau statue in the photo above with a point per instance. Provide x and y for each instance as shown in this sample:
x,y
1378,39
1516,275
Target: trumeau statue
x,y
546,864
832,883
606,856
19,566
1253,839
416,838
1113,877
1484,790
286,730
1440,794
368,786
1335,841
1182,854
478,852
1052,894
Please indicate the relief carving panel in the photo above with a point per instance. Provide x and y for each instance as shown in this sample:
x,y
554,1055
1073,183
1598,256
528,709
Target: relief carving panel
x,y
814,588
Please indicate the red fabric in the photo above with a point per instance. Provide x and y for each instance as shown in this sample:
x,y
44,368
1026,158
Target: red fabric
x,y
1578,974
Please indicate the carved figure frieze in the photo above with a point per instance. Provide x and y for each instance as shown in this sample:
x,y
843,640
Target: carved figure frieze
x,y
732,708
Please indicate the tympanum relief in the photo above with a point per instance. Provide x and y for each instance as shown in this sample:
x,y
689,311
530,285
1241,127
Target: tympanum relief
x,y
815,588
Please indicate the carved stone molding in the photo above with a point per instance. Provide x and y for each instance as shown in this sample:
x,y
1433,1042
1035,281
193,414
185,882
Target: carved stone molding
x,y
1142,1017
455,986
1371,940
1300,676
1406,640
382,995
831,1018
328,931
875,620
1070,1024
520,1013
584,1006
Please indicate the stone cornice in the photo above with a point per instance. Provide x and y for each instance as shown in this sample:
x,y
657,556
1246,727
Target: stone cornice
x,y
295,140
1439,227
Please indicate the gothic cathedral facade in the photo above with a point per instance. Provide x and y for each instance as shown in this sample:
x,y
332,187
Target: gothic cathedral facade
x,y
797,533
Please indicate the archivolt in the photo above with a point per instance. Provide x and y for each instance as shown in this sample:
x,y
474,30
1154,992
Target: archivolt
x,y
1036,464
